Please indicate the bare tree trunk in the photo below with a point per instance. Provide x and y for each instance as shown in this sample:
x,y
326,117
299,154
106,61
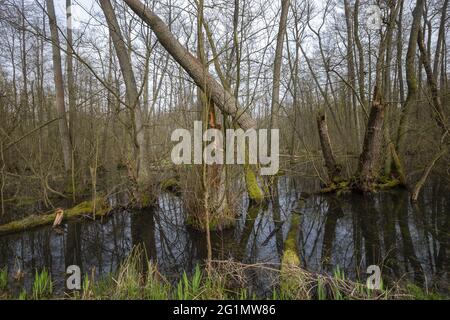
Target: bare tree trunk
x,y
368,166
24,95
411,78
369,159
387,98
59,87
71,91
438,110
351,67
206,175
223,99
277,65
141,168
334,170
275,114
440,40
236,48
70,75
399,54
361,74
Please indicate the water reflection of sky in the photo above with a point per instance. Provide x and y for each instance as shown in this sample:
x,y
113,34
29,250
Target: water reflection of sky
x,y
351,232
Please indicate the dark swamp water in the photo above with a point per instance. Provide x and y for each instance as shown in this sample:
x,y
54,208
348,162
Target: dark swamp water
x,y
350,232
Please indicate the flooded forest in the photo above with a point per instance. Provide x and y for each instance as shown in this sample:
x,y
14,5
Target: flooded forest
x,y
116,115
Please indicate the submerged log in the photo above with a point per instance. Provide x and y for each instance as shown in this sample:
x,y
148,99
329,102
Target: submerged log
x,y
290,260
343,186
336,187
86,208
290,253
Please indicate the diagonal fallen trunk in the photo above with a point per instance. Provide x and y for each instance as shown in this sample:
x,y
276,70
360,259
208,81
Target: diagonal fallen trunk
x,y
222,98
193,66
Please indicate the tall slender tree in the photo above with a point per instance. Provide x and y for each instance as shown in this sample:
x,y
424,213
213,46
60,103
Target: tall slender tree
x,y
133,103
64,133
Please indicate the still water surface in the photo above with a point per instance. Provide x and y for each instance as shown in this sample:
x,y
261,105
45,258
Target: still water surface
x,y
350,232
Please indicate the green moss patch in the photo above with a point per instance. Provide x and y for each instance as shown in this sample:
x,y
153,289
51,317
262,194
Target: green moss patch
x,y
85,208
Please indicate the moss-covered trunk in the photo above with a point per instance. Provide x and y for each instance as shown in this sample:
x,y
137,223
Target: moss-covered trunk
x,y
96,208
369,160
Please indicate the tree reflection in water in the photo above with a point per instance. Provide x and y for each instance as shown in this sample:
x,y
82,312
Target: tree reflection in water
x,y
351,231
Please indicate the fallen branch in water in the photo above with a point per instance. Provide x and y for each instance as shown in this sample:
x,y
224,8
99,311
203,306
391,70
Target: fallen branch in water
x,y
348,185
80,210
426,173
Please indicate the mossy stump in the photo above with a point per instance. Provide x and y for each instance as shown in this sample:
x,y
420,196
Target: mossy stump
x,y
170,185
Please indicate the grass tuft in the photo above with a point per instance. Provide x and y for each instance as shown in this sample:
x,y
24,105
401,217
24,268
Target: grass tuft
x,y
42,285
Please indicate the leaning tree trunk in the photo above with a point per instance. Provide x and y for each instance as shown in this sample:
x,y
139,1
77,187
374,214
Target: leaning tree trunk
x,y
64,133
438,110
202,78
440,40
140,170
222,98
